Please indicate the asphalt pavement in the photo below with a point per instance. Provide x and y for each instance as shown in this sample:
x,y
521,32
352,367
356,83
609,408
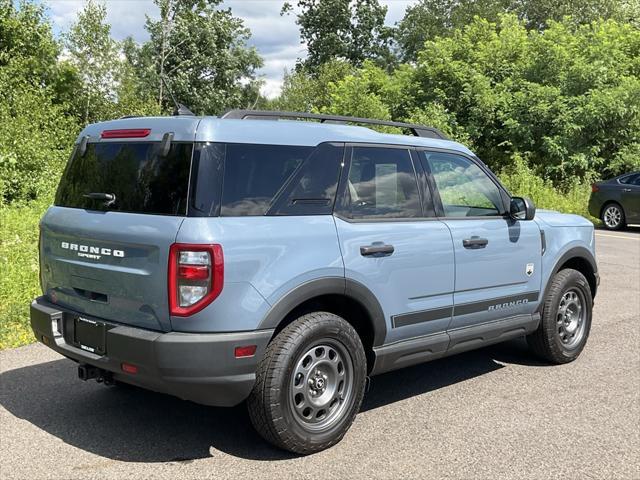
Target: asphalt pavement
x,y
491,413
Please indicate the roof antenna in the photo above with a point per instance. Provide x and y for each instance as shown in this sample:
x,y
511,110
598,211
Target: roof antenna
x,y
180,108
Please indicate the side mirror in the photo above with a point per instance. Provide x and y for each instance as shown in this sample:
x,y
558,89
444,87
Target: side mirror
x,y
522,208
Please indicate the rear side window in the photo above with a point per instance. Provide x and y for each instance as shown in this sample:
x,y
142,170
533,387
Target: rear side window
x,y
633,179
141,179
312,188
248,180
382,184
254,174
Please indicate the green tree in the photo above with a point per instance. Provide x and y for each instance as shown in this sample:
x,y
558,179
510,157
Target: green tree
x,y
429,19
95,55
35,134
201,50
306,92
351,30
565,99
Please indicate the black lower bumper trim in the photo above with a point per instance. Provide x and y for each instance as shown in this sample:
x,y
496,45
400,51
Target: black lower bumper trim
x,y
200,367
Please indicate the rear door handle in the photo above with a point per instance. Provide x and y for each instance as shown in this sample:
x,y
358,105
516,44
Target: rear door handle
x,y
377,249
626,189
474,242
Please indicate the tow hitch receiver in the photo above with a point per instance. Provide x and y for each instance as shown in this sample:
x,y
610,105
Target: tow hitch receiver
x,y
87,372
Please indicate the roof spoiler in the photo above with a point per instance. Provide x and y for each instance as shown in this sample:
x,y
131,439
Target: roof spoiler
x,y
417,130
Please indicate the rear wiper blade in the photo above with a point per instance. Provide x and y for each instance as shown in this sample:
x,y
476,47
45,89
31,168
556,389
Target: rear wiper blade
x,y
109,198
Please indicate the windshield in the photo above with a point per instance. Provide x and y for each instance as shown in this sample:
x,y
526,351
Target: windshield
x,y
128,177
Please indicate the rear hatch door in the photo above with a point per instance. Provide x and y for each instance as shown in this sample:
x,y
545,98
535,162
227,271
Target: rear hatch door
x,y
121,201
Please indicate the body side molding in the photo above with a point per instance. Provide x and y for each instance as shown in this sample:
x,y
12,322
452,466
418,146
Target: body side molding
x,y
416,350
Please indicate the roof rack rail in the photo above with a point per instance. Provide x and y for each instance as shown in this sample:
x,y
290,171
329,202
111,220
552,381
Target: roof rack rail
x,y
417,130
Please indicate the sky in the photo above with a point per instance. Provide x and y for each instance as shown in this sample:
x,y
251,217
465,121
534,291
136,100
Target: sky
x,y
276,37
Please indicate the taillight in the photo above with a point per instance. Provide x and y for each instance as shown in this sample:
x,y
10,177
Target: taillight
x,y
594,188
196,277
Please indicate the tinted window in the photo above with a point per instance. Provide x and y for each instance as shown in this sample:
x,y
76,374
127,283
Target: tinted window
x,y
141,180
206,179
312,189
382,184
465,190
254,174
633,179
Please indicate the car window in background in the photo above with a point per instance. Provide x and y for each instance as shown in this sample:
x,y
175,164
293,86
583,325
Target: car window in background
x,y
632,179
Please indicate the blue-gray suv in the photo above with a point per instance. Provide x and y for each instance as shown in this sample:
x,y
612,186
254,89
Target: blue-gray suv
x,y
282,258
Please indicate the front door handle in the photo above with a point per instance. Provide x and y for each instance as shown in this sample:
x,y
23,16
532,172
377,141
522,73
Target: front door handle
x,y
376,249
626,189
474,242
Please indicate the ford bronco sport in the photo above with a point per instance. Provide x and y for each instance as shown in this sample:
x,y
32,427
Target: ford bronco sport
x,y
283,262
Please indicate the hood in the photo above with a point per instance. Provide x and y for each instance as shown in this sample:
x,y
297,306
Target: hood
x,y
557,219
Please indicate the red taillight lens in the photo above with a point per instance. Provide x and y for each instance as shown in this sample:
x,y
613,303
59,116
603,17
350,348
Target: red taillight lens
x,y
126,133
193,272
196,277
594,188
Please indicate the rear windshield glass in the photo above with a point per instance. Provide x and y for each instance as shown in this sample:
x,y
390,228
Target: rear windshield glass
x,y
141,180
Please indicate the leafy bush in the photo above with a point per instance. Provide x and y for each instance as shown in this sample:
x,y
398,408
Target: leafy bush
x,y
520,179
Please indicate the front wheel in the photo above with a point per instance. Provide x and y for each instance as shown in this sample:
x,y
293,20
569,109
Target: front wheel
x,y
309,384
566,318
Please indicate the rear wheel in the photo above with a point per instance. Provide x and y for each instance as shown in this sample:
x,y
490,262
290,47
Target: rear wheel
x,y
613,216
310,384
566,318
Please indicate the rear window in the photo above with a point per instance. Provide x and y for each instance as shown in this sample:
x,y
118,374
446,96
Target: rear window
x,y
141,179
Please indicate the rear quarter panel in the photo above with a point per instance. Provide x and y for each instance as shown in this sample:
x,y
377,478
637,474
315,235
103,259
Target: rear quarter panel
x,y
264,258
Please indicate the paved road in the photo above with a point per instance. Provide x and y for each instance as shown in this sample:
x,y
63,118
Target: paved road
x,y
493,413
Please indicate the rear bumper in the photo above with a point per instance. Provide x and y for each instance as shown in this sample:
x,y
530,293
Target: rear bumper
x,y
595,205
200,367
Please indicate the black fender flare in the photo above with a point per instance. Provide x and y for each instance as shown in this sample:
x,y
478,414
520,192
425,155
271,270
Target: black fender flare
x,y
574,252
346,287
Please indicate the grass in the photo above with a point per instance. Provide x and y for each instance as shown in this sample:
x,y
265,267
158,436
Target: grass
x,y
19,246
19,282
523,182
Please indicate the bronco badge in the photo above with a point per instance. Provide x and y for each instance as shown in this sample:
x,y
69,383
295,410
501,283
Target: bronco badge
x,y
529,270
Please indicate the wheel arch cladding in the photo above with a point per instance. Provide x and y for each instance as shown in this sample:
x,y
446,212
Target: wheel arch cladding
x,y
346,298
580,259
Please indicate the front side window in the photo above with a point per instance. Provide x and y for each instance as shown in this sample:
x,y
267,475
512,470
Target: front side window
x,y
465,190
382,184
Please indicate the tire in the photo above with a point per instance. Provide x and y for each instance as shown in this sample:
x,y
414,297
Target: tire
x,y
612,216
566,319
316,364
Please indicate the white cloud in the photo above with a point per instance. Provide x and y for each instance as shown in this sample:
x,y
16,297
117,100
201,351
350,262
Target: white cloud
x,y
275,37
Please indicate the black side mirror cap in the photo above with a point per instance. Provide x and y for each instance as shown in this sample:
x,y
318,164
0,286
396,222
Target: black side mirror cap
x,y
522,208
